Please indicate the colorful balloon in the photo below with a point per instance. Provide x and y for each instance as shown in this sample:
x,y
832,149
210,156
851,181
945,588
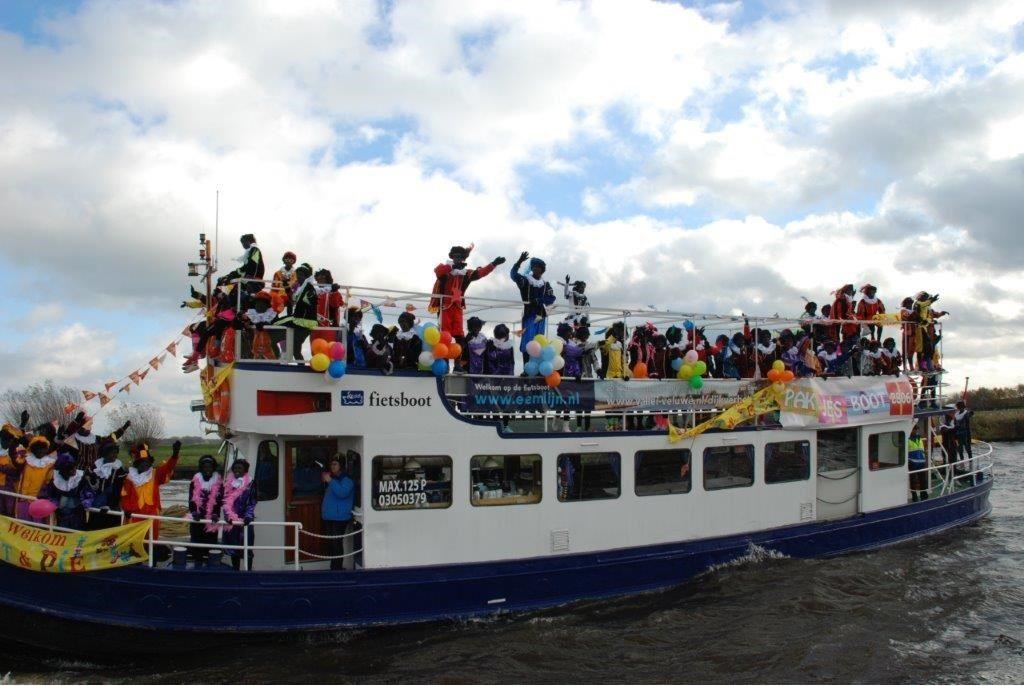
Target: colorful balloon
x,y
558,363
337,369
320,346
41,509
686,371
440,351
700,367
788,376
696,383
548,353
545,368
320,362
336,351
774,375
553,379
779,366
531,367
640,370
454,351
558,344
426,358
542,339
677,364
446,338
533,349
691,356
440,367
688,325
431,335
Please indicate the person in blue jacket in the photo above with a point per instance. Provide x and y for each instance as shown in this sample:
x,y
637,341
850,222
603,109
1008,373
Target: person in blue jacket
x,y
336,509
536,295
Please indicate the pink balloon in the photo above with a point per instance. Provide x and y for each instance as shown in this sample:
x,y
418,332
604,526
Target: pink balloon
x,y
41,509
336,351
533,349
691,356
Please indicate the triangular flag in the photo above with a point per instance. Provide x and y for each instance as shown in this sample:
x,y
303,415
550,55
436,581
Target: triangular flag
x,y
142,374
162,358
70,407
187,332
172,348
127,387
109,385
104,399
134,376
88,395
154,363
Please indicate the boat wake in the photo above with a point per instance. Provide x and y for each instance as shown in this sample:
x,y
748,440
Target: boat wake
x,y
755,555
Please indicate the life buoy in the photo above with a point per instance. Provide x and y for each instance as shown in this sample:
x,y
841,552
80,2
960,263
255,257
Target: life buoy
x,y
222,414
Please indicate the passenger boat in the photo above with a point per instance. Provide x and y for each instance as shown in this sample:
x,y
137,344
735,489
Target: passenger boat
x,y
462,516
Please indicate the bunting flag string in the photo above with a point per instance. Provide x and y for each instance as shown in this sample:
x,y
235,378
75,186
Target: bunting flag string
x,y
127,388
104,399
136,379
109,385
172,348
88,395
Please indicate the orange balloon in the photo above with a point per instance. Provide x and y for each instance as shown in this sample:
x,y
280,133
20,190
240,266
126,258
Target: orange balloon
x,y
454,351
773,375
640,370
446,337
440,351
320,346
553,379
788,376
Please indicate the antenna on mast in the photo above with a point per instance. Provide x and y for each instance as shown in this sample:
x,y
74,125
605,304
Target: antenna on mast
x,y
216,230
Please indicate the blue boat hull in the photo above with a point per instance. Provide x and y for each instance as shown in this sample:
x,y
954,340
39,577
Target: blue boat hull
x,y
192,603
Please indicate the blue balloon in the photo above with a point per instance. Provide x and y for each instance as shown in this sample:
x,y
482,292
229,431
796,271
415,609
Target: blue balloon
x,y
688,325
677,363
545,368
531,368
337,369
548,353
440,367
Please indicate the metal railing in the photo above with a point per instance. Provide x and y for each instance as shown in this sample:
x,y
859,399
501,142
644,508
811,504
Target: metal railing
x,y
950,477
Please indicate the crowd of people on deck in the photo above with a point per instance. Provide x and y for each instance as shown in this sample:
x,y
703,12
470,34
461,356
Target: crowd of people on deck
x,y
844,338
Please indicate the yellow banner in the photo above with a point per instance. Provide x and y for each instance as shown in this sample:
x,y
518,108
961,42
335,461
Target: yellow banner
x,y
764,401
42,550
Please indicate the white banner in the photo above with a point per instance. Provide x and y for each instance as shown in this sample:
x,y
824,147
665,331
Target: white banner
x,y
832,402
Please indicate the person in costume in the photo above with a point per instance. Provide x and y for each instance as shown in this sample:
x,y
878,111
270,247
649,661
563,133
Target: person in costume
x,y
238,504
251,266
925,336
356,345
962,427
536,296
303,317
203,498
36,473
641,347
69,491
407,344
908,326
821,332
83,444
140,491
832,360
284,282
10,446
475,350
210,331
867,307
329,304
809,316
843,308
500,360
379,352
766,351
576,294
255,320
448,295
105,479
892,361
612,366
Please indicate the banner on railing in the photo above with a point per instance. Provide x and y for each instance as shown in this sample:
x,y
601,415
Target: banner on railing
x,y
830,402
527,394
41,550
670,395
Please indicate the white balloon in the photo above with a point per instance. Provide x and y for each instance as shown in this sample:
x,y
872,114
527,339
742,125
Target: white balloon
x,y
426,358
558,362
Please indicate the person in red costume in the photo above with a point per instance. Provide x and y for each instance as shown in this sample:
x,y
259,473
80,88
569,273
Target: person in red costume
x,y
140,493
453,278
868,307
329,303
843,308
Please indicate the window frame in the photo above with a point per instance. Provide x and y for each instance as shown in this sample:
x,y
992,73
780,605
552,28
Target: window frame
x,y
752,452
375,479
614,453
277,467
537,470
881,467
807,477
637,456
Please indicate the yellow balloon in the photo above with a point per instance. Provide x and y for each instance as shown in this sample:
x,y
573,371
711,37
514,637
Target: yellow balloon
x,y
432,335
686,371
542,339
557,344
779,366
320,362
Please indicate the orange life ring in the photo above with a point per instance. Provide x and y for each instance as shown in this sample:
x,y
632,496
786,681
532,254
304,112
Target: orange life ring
x,y
222,413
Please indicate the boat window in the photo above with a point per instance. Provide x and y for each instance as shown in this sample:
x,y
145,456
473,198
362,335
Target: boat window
x,y
408,482
789,461
308,462
265,474
887,450
728,466
505,479
837,449
589,476
660,472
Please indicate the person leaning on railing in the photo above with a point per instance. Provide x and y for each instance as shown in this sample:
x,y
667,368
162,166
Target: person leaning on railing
x,y
140,493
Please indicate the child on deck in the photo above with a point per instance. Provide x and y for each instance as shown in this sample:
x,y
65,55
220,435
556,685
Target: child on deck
x,y
238,504
809,316
536,296
500,360
140,493
203,497
407,345
283,284
867,308
379,352
475,350
70,492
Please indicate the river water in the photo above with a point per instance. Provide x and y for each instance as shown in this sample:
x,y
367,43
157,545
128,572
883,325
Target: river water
x,y
949,608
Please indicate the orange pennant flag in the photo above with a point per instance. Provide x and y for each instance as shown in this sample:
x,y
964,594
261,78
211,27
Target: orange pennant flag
x,y
134,376
109,385
104,399
88,395
70,407
172,348
162,358
154,363
126,387
142,374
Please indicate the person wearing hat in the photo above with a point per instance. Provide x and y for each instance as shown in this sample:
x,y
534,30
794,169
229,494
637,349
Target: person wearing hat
x,y
475,351
453,278
329,304
407,344
105,479
70,492
843,308
536,296
284,282
36,469
336,508
238,505
303,317
256,318
10,437
575,293
869,306
203,498
140,492
251,267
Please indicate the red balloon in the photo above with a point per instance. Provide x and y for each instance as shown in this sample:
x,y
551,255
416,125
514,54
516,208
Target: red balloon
x,y
553,379
336,351
41,509
440,351
454,351
446,337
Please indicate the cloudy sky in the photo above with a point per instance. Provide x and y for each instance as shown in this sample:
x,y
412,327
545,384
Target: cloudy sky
x,y
702,156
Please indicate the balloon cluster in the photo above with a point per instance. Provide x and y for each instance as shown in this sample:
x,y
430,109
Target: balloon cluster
x,y
779,374
328,358
439,347
690,368
545,359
